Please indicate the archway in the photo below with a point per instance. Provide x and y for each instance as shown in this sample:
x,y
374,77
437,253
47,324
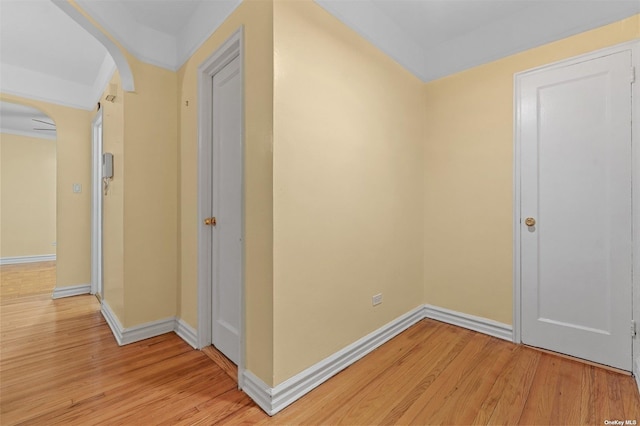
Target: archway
x,y
27,200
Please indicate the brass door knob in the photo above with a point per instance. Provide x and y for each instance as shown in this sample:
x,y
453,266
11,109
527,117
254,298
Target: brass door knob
x,y
210,221
530,221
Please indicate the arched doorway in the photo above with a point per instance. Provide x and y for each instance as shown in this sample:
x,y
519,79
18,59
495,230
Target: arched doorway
x,y
28,167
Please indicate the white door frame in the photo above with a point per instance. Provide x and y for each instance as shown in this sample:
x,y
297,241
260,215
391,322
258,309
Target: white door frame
x,y
96,204
634,47
228,51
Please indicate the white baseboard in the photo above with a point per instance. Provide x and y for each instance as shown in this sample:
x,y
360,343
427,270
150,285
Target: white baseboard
x,y
27,259
112,321
125,336
259,391
187,333
72,290
479,324
272,400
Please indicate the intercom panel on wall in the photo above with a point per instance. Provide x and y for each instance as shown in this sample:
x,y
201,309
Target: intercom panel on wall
x,y
107,165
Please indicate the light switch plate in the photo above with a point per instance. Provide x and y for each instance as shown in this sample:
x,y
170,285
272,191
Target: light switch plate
x,y
376,299
77,188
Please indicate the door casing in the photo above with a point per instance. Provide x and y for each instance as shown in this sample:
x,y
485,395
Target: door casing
x,y
96,205
230,49
634,47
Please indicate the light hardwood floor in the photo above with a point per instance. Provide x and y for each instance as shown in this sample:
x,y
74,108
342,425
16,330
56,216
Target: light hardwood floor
x,y
59,364
27,279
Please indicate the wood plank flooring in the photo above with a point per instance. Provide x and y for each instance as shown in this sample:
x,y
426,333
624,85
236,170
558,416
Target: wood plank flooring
x,y
59,364
27,279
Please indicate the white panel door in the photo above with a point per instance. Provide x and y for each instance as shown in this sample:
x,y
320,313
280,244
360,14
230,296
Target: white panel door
x,y
576,184
227,208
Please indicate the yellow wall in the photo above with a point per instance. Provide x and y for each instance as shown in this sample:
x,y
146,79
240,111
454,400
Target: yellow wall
x,y
141,257
256,16
27,196
113,202
150,195
359,179
73,211
468,161
347,181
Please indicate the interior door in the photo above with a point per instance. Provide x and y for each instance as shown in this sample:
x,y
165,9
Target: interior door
x,y
576,225
227,209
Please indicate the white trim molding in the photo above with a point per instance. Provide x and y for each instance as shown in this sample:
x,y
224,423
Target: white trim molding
x,y
229,50
635,196
72,290
27,259
186,333
112,321
634,47
471,322
272,400
96,205
148,330
260,392
125,336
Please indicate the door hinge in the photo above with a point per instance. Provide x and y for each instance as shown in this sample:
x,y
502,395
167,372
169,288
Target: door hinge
x,y
633,328
633,75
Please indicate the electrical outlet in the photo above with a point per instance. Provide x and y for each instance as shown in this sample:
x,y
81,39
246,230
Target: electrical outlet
x,y
376,299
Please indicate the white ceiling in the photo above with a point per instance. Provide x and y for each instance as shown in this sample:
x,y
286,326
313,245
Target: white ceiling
x,y
167,17
161,32
21,120
45,55
435,38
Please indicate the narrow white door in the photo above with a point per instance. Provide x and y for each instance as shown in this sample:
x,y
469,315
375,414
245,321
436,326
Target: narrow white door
x,y
227,209
576,185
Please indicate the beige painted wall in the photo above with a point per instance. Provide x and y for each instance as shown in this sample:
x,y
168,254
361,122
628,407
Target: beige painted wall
x,y
73,211
256,17
150,194
347,178
359,179
468,162
113,201
27,196
141,257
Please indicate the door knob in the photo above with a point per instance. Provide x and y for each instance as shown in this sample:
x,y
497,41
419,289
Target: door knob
x,y
530,221
210,221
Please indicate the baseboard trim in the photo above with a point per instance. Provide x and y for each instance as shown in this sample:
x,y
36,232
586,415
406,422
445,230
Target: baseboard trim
x,y
272,400
472,322
259,391
112,321
72,290
27,259
186,333
125,336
